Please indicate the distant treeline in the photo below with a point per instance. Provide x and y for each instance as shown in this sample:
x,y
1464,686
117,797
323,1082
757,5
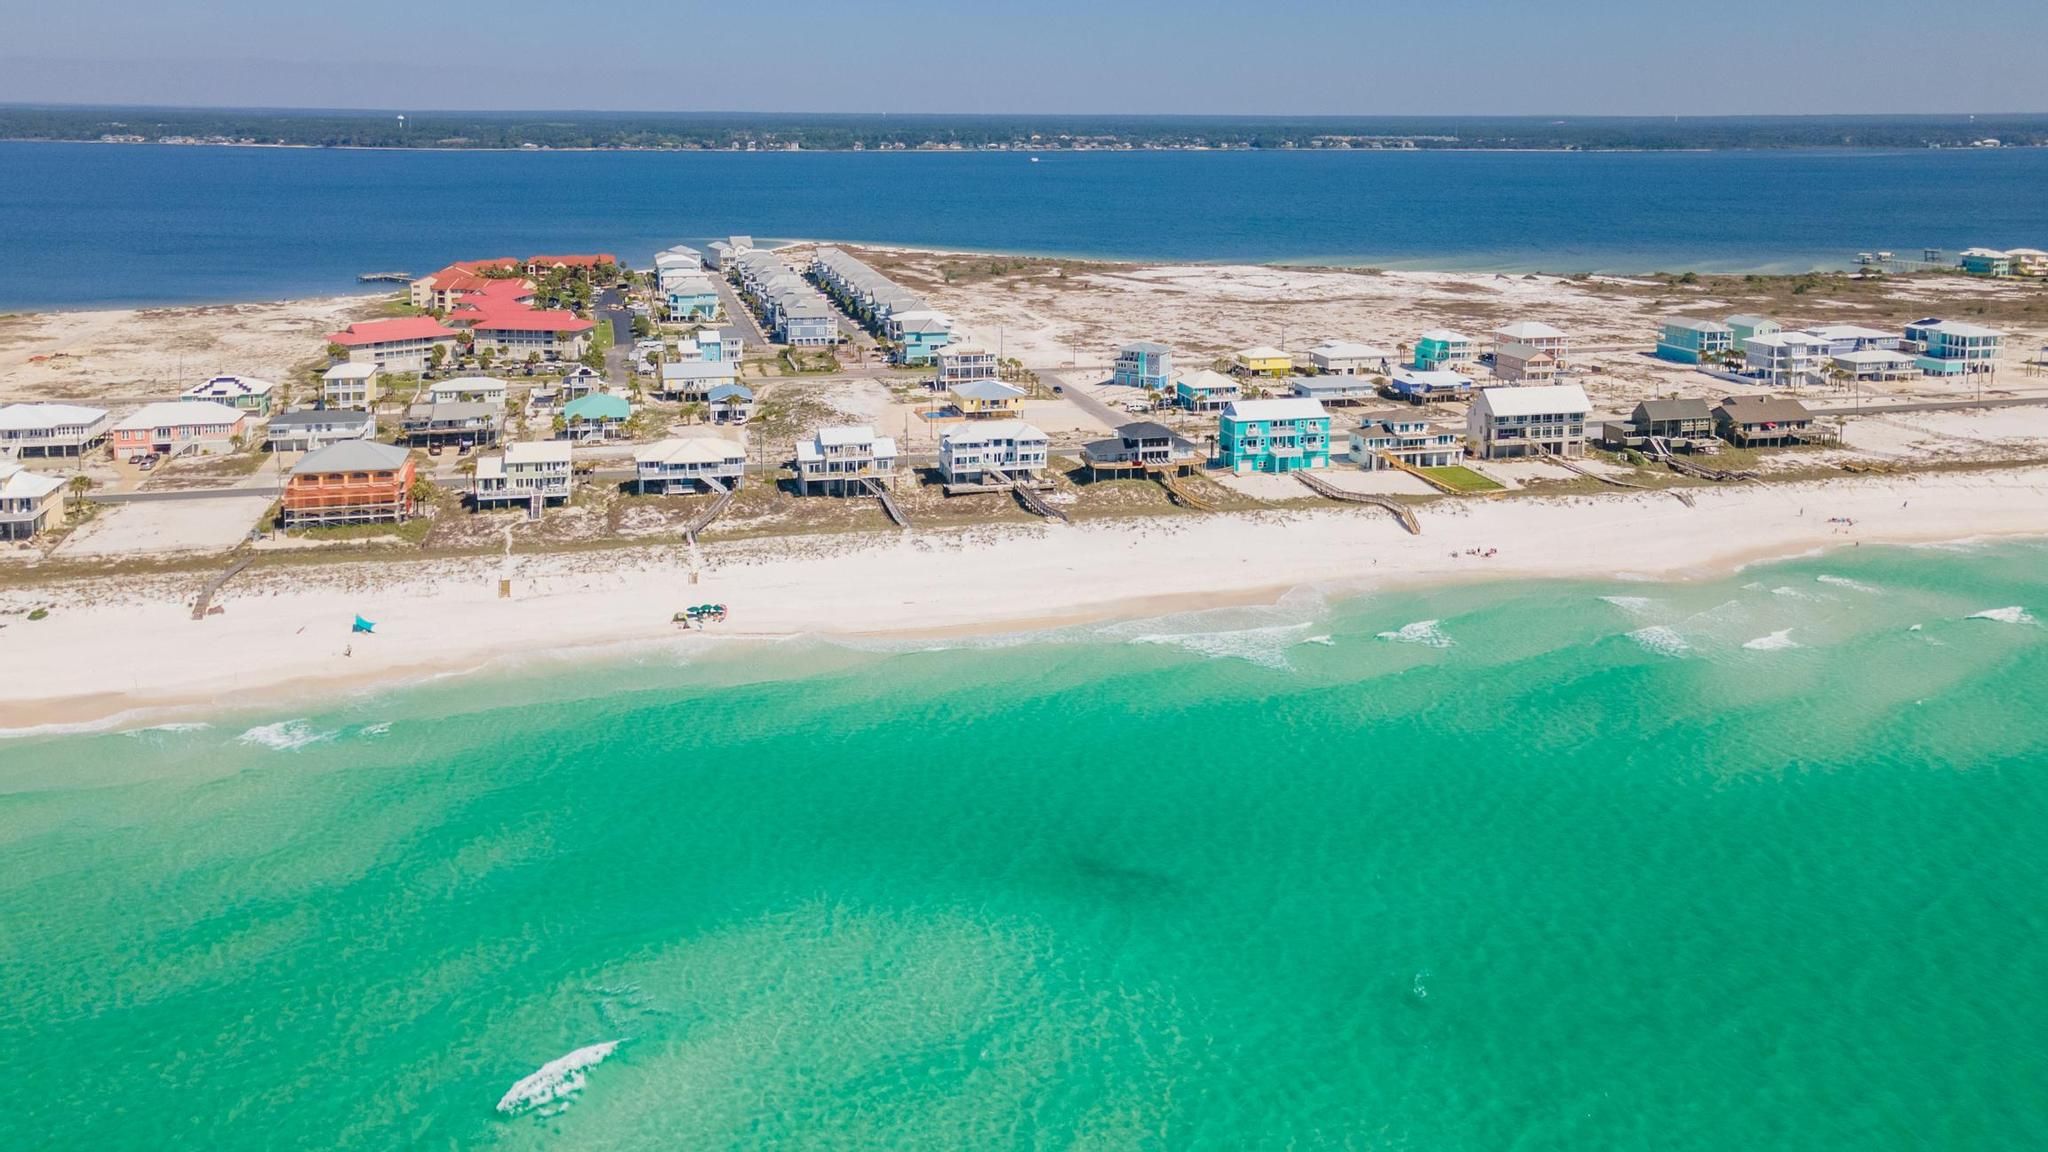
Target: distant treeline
x,y
821,131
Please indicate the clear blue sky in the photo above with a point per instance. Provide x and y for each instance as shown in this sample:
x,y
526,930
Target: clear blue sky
x,y
1146,56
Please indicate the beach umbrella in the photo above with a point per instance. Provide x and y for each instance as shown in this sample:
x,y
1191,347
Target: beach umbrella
x,y
363,625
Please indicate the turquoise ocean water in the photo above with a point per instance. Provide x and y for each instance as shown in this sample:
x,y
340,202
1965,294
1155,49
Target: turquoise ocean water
x,y
1748,864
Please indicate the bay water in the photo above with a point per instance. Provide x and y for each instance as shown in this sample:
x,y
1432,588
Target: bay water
x,y
92,225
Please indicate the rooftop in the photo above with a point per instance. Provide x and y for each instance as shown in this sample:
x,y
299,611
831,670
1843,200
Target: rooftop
x,y
1291,408
1527,330
1538,401
353,456
386,331
172,413
28,417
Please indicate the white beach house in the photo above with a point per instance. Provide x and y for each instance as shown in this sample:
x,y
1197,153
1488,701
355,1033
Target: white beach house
x,y
843,460
52,429
993,450
1510,422
530,472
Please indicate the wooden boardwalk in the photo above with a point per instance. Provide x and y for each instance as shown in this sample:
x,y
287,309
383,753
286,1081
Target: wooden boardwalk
x,y
214,585
703,519
1178,492
1324,488
888,502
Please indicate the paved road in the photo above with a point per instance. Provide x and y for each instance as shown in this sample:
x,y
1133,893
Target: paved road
x,y
1082,399
738,315
170,494
610,306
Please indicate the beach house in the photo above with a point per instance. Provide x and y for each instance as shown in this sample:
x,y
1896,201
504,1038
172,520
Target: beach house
x,y
2028,261
1508,423
1204,390
1537,335
1342,358
965,364
1439,386
1954,348
845,460
469,390
1524,364
690,299
919,335
1403,436
352,482
1273,435
694,379
1686,340
466,425
596,416
1677,419
1762,421
730,403
1747,327
176,427
1839,338
1341,391
1145,365
1873,365
530,472
1142,446
52,429
585,262
689,464
995,451
30,502
245,393
405,344
1442,349
311,429
986,400
1985,262
351,385
525,333
1784,359
1262,360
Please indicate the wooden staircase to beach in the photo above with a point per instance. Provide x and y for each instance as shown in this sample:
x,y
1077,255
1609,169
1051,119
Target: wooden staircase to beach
x,y
881,493
1178,492
703,519
1400,511
213,587
1027,496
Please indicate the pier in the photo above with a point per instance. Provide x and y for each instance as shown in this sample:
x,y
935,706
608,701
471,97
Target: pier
x,y
385,278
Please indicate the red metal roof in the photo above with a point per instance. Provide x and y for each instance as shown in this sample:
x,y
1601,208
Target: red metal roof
x,y
384,331
531,320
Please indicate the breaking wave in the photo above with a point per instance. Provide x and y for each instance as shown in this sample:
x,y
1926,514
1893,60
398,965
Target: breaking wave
x,y
285,735
558,1079
1851,585
1267,647
1661,640
2012,615
1776,642
1637,606
1423,632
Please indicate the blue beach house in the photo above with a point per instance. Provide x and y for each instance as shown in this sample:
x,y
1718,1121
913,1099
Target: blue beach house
x,y
1953,348
692,299
1206,391
1747,328
1273,436
1690,341
1442,348
920,335
1144,365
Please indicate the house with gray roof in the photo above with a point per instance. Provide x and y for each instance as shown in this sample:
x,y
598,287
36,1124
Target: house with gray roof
x,y
311,429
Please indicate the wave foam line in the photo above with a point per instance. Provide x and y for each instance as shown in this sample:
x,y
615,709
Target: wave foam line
x,y
557,1079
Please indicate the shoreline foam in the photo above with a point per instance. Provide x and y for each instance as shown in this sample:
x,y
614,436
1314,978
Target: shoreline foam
x,y
442,618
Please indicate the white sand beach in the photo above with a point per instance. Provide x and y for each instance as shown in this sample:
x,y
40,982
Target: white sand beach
x,y
120,651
